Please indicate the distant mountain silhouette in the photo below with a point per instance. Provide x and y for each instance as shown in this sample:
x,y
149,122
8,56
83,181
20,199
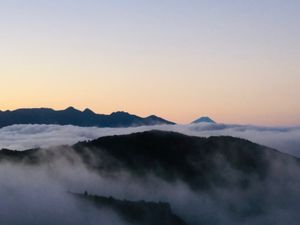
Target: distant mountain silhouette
x,y
72,116
204,119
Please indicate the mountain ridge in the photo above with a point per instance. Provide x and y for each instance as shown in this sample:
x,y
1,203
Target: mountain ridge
x,y
73,116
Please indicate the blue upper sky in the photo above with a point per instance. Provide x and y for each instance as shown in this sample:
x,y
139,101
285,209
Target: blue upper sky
x,y
234,60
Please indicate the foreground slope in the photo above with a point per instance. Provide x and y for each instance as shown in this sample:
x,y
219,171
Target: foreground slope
x,y
200,162
136,213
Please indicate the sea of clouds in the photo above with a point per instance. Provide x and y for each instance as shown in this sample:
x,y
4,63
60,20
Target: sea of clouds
x,y
40,194
21,137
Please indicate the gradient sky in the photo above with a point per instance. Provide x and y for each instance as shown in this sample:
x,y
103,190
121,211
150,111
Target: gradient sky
x,y
234,60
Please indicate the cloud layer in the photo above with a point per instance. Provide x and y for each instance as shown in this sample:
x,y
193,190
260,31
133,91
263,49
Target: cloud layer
x,y
39,195
20,137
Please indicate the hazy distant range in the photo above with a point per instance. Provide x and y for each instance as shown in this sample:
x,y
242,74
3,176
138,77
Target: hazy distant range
x,y
72,116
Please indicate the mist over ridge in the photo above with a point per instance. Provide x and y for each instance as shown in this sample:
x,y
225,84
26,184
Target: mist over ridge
x,y
21,137
211,181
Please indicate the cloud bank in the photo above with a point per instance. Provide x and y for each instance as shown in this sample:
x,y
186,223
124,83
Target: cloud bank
x,y
39,195
21,137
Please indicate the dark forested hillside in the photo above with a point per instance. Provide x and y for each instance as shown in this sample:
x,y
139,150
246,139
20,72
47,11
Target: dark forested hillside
x,y
136,212
199,162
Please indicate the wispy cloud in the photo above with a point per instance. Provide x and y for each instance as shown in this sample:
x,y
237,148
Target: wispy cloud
x,y
20,137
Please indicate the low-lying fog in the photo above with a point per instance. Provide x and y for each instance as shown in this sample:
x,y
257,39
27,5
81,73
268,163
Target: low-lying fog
x,y
33,195
20,137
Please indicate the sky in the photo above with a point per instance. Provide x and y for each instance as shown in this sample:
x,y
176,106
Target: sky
x,y
235,61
